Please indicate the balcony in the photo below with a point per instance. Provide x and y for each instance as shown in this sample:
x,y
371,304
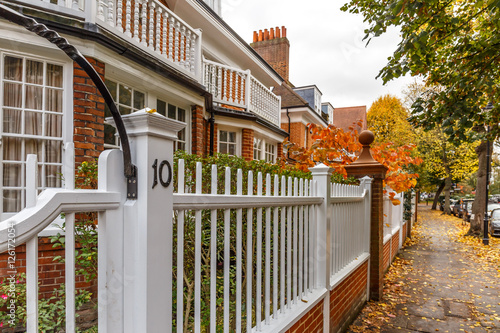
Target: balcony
x,y
155,29
237,88
147,24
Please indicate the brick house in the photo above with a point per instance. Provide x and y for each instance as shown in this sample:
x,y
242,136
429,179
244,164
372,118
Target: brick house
x,y
176,56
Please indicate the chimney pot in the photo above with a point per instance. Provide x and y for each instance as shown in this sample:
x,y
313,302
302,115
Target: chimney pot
x,y
255,36
271,36
283,29
266,34
260,36
278,33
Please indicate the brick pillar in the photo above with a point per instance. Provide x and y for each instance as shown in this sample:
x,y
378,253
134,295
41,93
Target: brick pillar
x,y
247,144
280,154
198,131
88,114
365,165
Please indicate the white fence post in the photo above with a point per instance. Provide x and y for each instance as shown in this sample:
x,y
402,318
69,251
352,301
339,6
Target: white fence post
x,y
321,176
148,224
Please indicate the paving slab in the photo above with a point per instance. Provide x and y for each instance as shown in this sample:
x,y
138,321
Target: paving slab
x,y
445,290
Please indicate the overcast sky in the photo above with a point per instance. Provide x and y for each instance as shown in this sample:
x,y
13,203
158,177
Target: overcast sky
x,y
326,47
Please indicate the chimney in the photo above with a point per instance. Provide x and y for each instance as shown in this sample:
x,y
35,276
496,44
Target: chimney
x,y
273,46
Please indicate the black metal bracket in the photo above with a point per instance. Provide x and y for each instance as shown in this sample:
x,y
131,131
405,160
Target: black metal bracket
x,y
52,36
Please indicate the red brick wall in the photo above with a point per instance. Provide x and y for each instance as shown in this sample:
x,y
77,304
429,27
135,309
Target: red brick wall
x,y
312,321
348,298
198,131
297,132
395,245
88,115
387,254
247,144
279,155
50,272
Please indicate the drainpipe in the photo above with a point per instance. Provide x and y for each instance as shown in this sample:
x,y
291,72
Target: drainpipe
x,y
209,106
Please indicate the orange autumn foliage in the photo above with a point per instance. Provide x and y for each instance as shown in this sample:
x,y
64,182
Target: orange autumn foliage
x,y
337,148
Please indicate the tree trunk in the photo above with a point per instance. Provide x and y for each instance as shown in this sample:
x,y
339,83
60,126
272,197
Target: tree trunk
x,y
478,207
447,188
436,196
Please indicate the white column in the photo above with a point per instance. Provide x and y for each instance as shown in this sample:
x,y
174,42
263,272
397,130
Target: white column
x,y
148,224
321,176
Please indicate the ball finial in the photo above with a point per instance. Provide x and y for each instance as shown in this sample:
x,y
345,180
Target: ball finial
x,y
366,138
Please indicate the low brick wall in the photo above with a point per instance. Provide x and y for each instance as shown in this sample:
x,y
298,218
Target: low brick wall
x,y
395,245
312,321
387,255
348,298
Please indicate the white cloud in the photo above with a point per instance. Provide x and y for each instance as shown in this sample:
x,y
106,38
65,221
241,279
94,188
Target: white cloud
x,y
326,46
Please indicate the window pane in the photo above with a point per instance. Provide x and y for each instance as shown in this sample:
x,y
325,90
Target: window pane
x,y
182,135
11,201
34,97
223,148
139,100
34,147
232,136
12,175
171,111
52,176
13,69
53,100
181,146
161,107
12,121
223,136
54,75
124,110
13,95
53,152
109,134
34,72
112,88
181,113
125,95
12,149
33,123
53,125
232,149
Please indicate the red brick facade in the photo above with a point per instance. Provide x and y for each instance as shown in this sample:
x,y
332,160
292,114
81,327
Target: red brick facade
x,y
312,321
199,133
247,144
387,255
348,298
88,114
50,271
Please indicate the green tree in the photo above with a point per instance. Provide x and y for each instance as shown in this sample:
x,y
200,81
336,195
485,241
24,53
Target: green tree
x,y
455,45
387,119
445,162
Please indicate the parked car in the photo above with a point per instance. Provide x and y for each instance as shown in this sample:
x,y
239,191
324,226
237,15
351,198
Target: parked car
x,y
467,210
495,222
491,207
457,208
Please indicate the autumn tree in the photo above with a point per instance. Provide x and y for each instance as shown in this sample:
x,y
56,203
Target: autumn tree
x,y
444,162
454,44
387,119
337,148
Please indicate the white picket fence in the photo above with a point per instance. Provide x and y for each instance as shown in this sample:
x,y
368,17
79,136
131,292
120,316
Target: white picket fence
x,y
248,259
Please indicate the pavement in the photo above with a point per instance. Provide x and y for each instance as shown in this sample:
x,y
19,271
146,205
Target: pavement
x,y
447,288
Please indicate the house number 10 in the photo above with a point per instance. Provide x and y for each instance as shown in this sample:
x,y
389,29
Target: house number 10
x,y
158,173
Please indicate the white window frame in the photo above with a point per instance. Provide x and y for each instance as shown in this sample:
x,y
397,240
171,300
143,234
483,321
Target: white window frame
x,y
67,118
270,156
257,140
237,138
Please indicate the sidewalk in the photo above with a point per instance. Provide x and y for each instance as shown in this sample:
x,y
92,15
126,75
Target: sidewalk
x,y
438,284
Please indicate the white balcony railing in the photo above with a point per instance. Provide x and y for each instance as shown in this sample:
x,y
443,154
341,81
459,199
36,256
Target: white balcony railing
x,y
148,24
234,87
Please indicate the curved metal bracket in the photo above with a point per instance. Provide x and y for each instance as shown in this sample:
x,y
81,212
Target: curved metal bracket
x,y
61,42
